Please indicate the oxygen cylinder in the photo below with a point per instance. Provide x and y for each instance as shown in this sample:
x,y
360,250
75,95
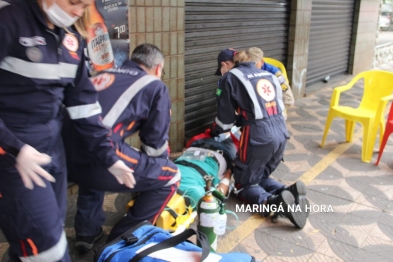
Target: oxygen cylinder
x,y
221,221
208,208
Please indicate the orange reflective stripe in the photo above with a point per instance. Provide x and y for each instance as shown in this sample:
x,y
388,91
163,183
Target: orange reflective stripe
x,y
34,249
122,132
125,157
130,125
167,168
2,152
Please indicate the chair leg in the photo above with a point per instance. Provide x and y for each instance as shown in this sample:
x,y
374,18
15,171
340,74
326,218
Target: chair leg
x,y
382,129
329,120
382,147
349,129
369,136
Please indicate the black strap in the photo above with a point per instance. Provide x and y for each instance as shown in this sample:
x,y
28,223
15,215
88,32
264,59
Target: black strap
x,y
173,241
196,167
173,213
186,199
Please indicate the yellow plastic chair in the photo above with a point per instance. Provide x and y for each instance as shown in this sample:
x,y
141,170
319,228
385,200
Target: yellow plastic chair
x,y
277,64
378,88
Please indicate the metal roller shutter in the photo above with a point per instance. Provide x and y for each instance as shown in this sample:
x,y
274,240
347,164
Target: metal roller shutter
x,y
214,25
330,39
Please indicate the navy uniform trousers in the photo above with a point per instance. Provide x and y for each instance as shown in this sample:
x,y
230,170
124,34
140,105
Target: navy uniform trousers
x,y
262,149
30,218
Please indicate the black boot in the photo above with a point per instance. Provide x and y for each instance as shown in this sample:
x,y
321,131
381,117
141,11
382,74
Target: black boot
x,y
298,190
285,205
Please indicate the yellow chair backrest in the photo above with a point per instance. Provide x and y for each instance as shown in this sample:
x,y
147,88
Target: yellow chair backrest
x,y
277,64
377,84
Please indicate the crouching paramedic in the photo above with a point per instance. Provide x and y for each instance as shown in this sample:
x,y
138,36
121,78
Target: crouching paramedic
x,y
133,99
255,96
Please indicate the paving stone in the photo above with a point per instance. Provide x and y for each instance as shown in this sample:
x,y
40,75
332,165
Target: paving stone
x,y
385,251
317,257
325,222
366,256
330,173
339,192
281,171
343,250
322,113
289,145
313,160
315,146
325,198
361,217
296,157
354,164
387,229
275,246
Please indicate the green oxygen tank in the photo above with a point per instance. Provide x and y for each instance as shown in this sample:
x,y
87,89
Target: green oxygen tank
x,y
208,209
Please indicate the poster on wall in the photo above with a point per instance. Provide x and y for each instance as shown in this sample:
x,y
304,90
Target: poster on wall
x,y
114,15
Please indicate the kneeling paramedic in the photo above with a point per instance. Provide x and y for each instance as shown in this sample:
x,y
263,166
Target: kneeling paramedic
x,y
133,99
252,98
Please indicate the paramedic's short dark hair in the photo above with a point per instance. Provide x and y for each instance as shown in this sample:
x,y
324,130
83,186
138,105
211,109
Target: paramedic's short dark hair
x,y
148,55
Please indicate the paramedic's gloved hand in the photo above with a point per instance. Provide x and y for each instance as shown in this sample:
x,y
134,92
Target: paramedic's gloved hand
x,y
28,163
123,174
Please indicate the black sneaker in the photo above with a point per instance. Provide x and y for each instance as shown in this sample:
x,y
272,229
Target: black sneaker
x,y
299,192
286,199
85,243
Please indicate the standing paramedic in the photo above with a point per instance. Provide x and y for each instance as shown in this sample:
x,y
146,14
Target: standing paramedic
x,y
252,98
133,99
42,71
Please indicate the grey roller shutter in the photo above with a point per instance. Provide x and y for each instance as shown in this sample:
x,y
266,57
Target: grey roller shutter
x,y
215,25
330,39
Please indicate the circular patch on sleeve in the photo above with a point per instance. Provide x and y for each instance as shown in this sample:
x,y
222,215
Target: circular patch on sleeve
x,y
266,90
102,81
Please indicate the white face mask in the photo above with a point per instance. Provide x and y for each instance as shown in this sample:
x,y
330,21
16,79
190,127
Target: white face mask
x,y
58,16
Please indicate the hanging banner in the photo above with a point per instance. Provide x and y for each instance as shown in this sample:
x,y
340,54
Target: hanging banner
x,y
113,14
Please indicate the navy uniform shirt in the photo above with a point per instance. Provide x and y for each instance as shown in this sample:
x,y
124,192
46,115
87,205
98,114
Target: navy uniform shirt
x,y
40,71
261,101
133,101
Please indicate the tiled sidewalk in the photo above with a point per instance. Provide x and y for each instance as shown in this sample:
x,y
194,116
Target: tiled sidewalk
x,y
360,228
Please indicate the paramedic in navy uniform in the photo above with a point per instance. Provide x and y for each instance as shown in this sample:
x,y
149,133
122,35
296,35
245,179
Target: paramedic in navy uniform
x,y
42,72
252,98
133,98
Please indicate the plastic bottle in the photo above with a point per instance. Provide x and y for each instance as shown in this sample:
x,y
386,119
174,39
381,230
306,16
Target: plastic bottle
x,y
98,42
